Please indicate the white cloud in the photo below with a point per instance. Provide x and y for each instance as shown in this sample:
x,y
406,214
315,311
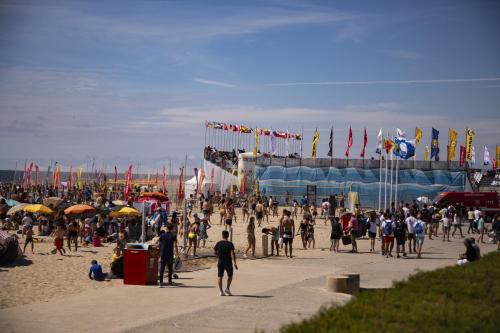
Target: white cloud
x,y
214,83
402,54
383,82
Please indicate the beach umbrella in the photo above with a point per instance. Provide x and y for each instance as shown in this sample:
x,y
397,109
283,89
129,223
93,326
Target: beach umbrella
x,y
125,211
155,195
40,209
52,201
119,203
16,209
79,209
12,203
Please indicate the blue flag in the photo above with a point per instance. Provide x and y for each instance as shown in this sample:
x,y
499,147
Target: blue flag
x,y
406,149
435,144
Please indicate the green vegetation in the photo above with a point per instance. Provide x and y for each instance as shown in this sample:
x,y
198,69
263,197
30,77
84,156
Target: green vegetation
x,y
451,299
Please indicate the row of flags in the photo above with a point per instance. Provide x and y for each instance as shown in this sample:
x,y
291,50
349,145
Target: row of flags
x,y
258,131
404,148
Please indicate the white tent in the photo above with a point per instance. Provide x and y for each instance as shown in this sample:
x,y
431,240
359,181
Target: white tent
x,y
221,180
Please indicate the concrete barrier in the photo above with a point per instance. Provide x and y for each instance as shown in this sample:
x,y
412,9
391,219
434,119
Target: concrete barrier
x,y
265,246
346,283
354,281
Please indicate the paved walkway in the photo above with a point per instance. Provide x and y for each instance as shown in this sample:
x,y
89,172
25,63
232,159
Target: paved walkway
x,y
268,293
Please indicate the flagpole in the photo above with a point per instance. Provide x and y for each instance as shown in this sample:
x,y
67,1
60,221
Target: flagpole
x,y
392,168
380,181
397,170
385,181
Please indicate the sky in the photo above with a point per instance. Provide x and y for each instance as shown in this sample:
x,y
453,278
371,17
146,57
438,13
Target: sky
x,y
132,82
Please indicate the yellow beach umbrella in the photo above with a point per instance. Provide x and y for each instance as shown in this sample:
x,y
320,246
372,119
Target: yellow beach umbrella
x,y
125,211
16,208
40,209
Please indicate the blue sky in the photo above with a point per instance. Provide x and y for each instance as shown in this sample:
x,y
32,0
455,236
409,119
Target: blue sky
x,y
133,81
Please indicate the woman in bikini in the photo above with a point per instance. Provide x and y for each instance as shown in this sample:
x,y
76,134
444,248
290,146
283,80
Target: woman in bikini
x,y
251,237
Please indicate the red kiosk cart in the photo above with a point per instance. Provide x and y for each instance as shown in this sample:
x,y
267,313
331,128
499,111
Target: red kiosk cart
x,y
140,264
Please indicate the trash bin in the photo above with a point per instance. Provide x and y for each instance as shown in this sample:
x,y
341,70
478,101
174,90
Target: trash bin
x,y
140,264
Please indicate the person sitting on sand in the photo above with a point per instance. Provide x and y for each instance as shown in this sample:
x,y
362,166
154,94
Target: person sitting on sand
x,y
96,240
117,263
95,272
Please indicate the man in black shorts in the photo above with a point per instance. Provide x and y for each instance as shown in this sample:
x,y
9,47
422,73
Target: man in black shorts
x,y
168,243
224,250
288,227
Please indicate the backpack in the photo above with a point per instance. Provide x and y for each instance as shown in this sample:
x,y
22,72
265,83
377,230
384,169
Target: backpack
x,y
388,228
419,229
398,232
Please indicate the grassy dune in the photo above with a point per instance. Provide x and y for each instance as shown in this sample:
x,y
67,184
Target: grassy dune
x,y
451,299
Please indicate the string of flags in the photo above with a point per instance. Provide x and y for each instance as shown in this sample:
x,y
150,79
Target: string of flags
x,y
259,131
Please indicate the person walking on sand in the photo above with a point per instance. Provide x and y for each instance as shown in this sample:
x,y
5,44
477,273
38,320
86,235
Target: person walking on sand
x,y
419,235
335,234
259,212
388,227
288,227
352,228
250,237
481,227
59,241
29,239
168,244
193,238
224,250
410,226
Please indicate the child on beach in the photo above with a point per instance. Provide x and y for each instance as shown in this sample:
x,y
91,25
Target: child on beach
x,y
204,226
250,237
95,272
29,239
59,241
96,240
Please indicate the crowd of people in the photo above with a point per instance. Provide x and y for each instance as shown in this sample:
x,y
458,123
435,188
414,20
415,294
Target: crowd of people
x,y
401,230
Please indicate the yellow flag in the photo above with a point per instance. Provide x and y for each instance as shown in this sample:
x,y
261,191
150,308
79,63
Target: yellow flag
x,y
418,136
498,156
314,143
255,148
452,143
427,150
469,138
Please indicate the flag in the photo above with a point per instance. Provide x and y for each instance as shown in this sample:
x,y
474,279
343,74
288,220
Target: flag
x,y
79,174
70,178
498,155
24,175
469,138
314,143
452,143
57,176
128,181
486,156
418,136
401,135
116,178
435,144
164,181
37,174
156,178
427,151
243,186
30,171
380,140
473,156
330,145
462,155
201,178
179,195
255,148
349,143
286,143
362,155
406,148
389,145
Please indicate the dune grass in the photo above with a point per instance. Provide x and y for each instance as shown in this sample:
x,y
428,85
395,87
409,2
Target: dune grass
x,y
451,299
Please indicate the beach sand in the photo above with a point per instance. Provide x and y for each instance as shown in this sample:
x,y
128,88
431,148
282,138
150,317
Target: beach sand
x,y
41,276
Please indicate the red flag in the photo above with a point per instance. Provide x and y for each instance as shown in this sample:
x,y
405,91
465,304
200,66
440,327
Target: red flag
x,y
364,145
128,180
462,156
349,143
494,164
30,170
116,178
179,196
156,179
37,174
164,181
70,178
